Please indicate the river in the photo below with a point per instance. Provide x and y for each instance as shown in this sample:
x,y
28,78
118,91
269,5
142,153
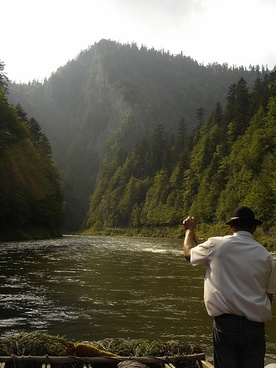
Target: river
x,y
91,288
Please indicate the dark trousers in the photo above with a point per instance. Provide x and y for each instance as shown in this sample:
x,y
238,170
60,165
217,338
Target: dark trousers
x,y
238,342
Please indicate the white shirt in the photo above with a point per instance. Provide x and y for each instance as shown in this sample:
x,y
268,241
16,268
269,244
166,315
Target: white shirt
x,y
239,273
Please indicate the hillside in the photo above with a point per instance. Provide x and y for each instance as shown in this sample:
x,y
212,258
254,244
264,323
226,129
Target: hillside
x,y
31,199
111,97
227,161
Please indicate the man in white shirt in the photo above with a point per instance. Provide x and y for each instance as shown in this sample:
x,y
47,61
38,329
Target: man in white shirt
x,y
239,284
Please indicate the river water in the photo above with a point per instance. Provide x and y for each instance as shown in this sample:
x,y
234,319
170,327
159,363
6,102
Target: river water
x,y
91,288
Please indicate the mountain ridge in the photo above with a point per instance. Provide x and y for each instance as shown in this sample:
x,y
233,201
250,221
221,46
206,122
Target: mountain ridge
x,y
114,94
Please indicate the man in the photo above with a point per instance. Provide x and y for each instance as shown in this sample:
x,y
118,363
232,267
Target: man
x,y
239,284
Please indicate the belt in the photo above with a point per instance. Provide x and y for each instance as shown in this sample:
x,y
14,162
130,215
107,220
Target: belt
x,y
231,316
234,317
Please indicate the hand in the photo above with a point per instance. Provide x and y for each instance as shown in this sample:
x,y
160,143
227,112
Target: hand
x,y
189,223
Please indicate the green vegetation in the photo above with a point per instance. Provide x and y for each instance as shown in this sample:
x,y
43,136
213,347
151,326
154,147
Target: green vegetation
x,y
227,161
143,347
32,344
142,138
109,99
31,199
41,344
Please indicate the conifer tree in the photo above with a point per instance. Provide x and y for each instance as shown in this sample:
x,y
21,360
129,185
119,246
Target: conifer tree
x,y
3,79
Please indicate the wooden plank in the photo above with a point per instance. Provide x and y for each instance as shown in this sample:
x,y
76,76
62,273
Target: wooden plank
x,y
47,360
87,362
206,364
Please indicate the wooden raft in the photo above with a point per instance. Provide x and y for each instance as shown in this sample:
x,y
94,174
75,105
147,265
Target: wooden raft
x,y
87,362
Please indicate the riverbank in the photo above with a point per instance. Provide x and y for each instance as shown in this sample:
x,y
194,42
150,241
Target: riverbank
x,y
204,231
28,233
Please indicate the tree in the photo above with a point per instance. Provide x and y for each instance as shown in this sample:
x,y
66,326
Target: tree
x,y
3,79
182,136
39,138
30,193
200,114
238,110
242,105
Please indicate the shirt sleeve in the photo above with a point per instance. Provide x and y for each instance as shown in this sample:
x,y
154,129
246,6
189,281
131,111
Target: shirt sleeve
x,y
200,253
271,286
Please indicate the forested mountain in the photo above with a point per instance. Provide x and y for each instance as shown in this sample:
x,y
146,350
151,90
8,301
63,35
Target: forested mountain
x,y
227,161
115,101
31,198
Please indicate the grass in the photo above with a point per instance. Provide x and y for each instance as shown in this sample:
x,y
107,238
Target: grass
x,y
41,344
33,344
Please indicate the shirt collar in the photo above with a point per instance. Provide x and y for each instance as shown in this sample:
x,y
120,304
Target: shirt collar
x,y
243,233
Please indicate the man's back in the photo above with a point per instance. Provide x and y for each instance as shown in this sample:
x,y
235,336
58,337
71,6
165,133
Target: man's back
x,y
237,276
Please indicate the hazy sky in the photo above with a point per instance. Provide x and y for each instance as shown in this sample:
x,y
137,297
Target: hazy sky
x,y
38,36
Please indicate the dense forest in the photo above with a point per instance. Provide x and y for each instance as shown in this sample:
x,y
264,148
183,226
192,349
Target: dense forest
x,y
226,161
31,198
142,137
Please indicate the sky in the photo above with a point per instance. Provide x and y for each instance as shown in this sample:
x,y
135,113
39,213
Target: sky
x,y
39,36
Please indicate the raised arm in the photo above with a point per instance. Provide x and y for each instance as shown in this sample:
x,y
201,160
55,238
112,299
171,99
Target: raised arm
x,y
190,239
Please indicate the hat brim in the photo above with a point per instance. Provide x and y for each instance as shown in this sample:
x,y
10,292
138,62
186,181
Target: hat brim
x,y
244,219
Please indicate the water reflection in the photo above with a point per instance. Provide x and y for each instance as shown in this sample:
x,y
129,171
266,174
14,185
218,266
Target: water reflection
x,y
96,287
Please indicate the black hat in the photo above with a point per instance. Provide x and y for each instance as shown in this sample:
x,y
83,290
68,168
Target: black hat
x,y
243,214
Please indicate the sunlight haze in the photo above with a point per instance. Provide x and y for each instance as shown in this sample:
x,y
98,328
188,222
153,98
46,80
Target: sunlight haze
x,y
40,36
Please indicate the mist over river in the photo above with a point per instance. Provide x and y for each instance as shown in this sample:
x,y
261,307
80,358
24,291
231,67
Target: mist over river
x,y
91,288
